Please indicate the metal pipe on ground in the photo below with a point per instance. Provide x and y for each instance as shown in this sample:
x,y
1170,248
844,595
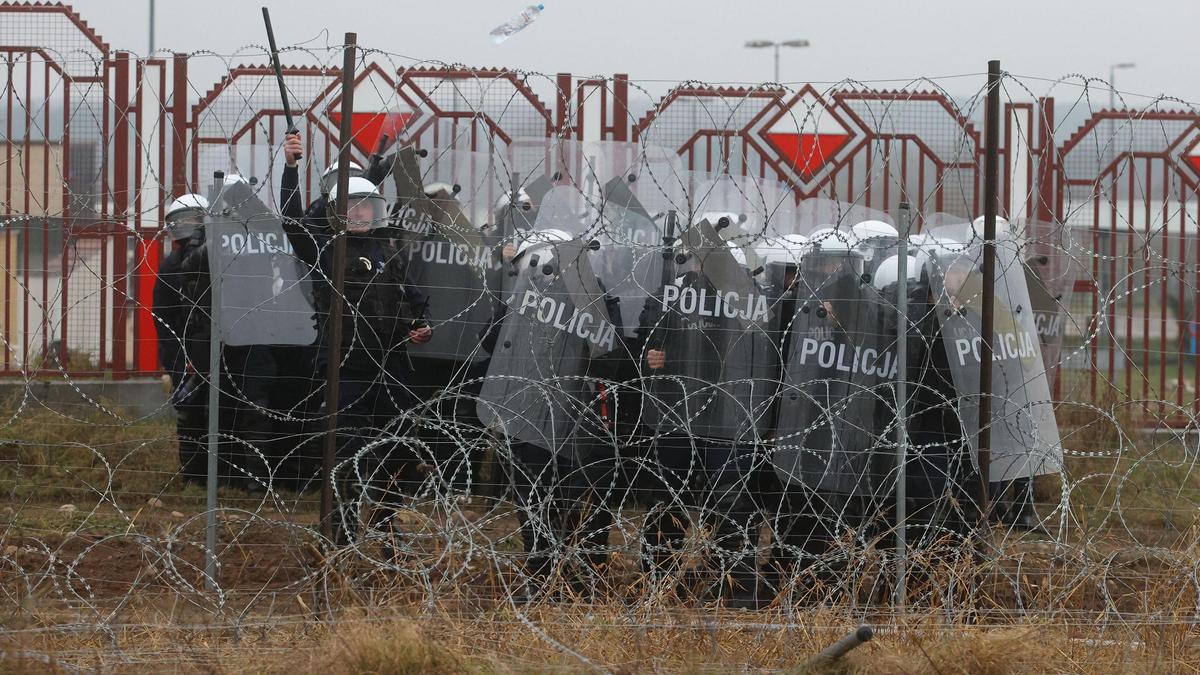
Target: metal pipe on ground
x,y
828,656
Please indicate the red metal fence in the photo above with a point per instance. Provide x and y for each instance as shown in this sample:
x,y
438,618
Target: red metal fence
x,y
97,141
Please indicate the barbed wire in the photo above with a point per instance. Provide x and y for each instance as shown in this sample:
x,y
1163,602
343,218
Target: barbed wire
x,y
660,379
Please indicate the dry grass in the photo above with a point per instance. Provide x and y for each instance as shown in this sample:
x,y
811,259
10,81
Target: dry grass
x,y
605,639
48,457
397,646
1111,603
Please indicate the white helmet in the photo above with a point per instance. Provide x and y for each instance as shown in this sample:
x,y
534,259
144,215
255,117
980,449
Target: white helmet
x,y
524,201
1003,228
329,176
187,202
184,215
357,187
365,207
830,239
921,240
872,229
785,250
434,189
536,240
888,271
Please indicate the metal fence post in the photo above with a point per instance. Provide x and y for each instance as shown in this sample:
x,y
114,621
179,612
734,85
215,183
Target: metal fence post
x,y
212,241
991,180
333,368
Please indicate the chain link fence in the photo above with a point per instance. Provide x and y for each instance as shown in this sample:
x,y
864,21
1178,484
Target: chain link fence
x,y
588,373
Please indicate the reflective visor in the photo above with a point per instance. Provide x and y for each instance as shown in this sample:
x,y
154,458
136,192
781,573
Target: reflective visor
x,y
184,224
366,213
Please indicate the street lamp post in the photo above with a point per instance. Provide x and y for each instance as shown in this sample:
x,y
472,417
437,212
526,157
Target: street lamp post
x,y
763,44
1112,82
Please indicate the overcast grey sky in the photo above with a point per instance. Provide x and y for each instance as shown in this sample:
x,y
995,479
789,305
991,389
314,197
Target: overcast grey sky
x,y
703,39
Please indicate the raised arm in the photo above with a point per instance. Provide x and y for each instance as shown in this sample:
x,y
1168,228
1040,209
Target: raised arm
x,y
305,240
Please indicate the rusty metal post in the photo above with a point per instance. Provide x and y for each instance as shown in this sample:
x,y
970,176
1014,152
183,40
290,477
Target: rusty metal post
x,y
212,242
179,128
333,367
620,107
991,180
121,301
563,119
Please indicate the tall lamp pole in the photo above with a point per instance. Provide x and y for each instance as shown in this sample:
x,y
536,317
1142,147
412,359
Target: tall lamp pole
x,y
1112,82
764,44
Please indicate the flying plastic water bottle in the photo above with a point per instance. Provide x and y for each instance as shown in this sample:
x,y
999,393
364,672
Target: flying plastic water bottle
x,y
517,23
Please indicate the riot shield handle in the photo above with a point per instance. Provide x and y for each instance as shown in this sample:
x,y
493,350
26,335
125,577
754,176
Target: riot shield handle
x,y
287,108
375,162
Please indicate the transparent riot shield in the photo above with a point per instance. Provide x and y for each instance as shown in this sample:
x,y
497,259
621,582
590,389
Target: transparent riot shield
x,y
567,210
456,263
819,212
530,160
265,295
836,366
754,208
537,390
844,222
478,180
712,321
1024,435
1050,272
632,213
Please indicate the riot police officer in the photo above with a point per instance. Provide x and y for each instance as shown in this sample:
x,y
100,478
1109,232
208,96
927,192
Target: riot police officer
x,y
384,312
173,312
551,354
711,360
246,374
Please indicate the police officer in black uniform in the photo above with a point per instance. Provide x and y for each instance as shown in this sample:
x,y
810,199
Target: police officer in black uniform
x,y
173,312
708,371
383,313
247,372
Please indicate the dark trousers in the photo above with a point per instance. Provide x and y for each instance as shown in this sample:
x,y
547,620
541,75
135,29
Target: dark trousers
x,y
447,392
246,404
295,396
565,511
696,482
244,425
377,460
191,427
805,526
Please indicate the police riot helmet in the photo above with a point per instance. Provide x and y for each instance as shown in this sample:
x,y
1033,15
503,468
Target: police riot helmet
x,y
888,271
185,215
329,176
541,238
366,209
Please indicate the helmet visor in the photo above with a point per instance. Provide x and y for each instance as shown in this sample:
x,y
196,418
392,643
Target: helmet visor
x,y
184,224
365,213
